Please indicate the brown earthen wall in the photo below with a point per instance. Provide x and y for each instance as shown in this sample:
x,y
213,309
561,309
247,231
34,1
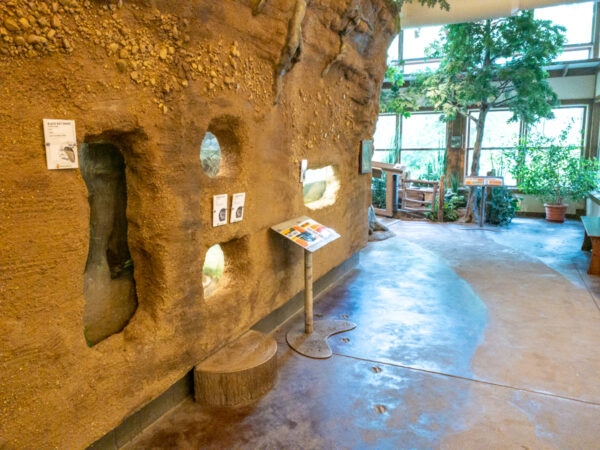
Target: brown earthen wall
x,y
204,63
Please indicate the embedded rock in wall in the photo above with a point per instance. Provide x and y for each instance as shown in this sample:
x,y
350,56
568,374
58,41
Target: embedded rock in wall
x,y
275,81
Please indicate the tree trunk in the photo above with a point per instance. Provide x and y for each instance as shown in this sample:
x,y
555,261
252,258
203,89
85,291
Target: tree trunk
x,y
476,155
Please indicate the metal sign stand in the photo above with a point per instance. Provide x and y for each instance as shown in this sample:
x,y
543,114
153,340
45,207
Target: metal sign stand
x,y
309,337
483,182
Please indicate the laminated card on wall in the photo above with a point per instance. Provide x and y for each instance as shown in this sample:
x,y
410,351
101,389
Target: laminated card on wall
x,y
220,210
237,207
61,144
307,233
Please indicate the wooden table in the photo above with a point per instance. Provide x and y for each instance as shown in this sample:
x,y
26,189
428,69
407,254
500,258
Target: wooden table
x,y
592,241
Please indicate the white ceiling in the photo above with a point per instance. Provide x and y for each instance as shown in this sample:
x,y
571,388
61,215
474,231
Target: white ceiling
x,y
414,14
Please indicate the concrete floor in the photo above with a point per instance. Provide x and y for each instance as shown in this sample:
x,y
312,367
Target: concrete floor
x,y
465,339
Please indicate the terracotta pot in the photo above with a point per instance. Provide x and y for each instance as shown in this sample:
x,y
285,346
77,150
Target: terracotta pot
x,y
555,213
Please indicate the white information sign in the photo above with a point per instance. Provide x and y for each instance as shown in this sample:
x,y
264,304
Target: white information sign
x,y
237,207
61,144
220,210
307,233
303,169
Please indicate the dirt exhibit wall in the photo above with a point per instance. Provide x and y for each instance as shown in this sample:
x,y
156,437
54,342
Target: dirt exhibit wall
x,y
117,247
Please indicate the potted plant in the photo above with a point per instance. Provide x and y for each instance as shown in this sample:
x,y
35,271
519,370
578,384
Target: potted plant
x,y
554,171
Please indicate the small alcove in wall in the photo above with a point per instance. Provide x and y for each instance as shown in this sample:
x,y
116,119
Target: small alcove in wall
x,y
221,147
224,265
109,286
212,271
320,187
210,154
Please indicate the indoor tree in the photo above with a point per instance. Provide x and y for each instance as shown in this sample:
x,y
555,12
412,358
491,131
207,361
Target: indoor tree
x,y
495,63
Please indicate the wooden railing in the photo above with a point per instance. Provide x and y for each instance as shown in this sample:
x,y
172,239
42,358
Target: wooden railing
x,y
396,183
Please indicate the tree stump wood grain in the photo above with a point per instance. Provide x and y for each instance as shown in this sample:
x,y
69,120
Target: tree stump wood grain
x,y
239,373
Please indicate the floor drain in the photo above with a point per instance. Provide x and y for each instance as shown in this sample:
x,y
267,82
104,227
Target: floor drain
x,y
376,369
345,340
344,316
380,409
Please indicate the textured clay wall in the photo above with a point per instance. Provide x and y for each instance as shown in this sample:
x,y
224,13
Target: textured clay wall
x,y
150,78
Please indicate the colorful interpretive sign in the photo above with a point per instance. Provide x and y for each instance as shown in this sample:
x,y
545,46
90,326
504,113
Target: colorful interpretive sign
x,y
307,233
484,181
61,144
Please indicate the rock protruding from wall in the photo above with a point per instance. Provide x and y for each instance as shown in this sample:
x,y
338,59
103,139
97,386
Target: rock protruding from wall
x,y
109,288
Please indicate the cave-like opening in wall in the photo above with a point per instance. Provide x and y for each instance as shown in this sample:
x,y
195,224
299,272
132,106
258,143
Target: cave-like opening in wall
x,y
210,154
212,271
109,286
320,187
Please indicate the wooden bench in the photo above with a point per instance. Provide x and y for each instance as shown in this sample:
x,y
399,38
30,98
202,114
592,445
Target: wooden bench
x,y
592,241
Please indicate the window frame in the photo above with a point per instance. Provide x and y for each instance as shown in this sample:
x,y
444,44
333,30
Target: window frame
x,y
524,130
593,46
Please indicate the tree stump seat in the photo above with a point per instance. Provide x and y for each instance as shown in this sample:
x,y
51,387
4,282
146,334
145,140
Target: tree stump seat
x,y
239,373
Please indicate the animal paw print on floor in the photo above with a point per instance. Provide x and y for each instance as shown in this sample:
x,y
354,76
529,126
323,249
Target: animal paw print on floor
x,y
376,369
345,340
344,316
380,409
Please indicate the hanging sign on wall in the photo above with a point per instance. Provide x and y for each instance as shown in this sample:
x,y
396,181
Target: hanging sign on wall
x,y
61,144
237,207
220,210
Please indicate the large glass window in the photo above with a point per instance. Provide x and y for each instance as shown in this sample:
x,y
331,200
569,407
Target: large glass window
x,y
566,117
423,145
394,52
416,41
499,135
578,19
423,131
384,139
421,141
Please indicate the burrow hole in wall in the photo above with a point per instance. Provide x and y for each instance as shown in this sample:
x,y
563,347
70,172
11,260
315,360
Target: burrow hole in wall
x,y
320,187
224,264
212,272
220,147
109,286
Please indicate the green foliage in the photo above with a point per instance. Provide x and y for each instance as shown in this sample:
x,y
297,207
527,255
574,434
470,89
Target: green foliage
x,y
452,201
425,164
501,207
553,170
396,99
495,63
454,182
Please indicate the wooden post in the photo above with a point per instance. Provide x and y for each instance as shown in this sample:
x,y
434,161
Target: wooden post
x,y
391,194
308,293
403,193
441,194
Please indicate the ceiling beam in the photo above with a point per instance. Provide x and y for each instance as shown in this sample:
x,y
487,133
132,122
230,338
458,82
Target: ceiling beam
x,y
414,14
